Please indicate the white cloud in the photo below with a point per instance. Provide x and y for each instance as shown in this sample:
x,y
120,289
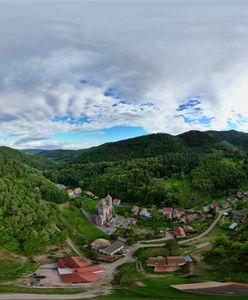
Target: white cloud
x,y
58,59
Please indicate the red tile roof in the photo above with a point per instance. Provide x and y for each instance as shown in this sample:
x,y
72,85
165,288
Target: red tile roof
x,y
73,262
167,210
79,278
89,269
168,264
179,232
175,261
165,268
80,270
154,261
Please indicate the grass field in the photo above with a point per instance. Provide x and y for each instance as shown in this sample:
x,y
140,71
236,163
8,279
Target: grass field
x,y
156,288
79,227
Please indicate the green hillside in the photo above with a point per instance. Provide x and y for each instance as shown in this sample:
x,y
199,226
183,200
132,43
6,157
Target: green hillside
x,y
28,216
31,160
236,138
152,145
138,170
58,155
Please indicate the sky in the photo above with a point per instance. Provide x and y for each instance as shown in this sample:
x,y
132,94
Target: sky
x,y
78,73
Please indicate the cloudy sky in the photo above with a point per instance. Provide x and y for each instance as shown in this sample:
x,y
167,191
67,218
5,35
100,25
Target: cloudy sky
x,y
74,74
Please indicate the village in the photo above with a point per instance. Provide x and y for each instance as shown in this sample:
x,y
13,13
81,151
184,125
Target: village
x,y
129,228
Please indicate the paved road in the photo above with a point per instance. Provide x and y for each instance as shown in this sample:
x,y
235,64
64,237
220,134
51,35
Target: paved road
x,y
200,236
110,270
84,295
205,233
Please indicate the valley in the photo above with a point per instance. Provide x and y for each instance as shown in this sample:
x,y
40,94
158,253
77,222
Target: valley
x,y
173,196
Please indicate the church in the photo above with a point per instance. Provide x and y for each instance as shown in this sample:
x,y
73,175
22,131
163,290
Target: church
x,y
104,211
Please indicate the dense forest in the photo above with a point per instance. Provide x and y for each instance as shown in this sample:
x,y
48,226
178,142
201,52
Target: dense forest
x,y
28,216
157,169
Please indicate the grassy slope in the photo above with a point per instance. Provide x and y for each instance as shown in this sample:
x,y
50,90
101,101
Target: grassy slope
x,y
31,160
80,228
14,266
89,205
156,288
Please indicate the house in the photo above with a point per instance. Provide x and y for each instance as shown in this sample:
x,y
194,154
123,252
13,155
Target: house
x,y
232,200
179,232
214,205
144,213
188,229
135,210
242,195
239,217
192,217
100,244
116,201
115,247
165,264
233,226
77,191
88,193
104,212
177,212
78,270
167,212
106,258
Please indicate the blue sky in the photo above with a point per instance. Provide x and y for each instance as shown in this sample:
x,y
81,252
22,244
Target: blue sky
x,y
76,74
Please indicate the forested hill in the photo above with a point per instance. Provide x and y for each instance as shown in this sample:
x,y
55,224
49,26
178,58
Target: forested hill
x,y
236,138
28,216
28,159
153,145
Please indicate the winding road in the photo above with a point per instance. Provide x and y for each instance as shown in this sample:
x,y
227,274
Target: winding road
x,y
104,287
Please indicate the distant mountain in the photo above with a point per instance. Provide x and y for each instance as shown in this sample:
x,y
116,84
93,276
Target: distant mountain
x,y
59,155
33,151
236,138
152,145
31,160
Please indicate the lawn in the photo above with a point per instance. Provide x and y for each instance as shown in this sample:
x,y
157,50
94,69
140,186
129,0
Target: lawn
x,y
156,288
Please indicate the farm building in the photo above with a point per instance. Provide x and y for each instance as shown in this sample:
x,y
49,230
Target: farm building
x,y
78,270
166,264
